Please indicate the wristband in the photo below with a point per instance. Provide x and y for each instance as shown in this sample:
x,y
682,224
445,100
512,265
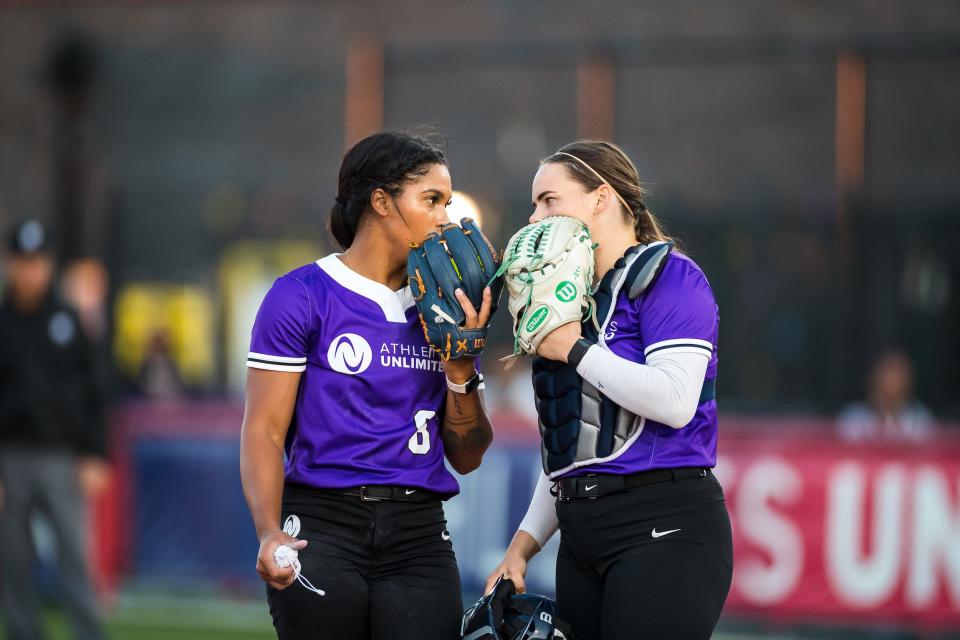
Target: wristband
x,y
476,382
578,350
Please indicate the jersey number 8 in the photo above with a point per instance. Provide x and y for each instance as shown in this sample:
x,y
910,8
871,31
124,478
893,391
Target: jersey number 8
x,y
419,442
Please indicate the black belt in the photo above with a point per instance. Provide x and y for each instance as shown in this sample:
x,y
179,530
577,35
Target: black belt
x,y
379,493
594,486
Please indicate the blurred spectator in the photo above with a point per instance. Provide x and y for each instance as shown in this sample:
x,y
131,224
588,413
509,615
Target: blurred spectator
x,y
890,413
52,444
159,377
85,285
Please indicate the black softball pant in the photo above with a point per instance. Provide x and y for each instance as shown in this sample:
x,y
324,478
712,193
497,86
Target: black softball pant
x,y
388,570
649,563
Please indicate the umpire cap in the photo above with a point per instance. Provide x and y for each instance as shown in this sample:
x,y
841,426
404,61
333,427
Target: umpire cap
x,y
28,237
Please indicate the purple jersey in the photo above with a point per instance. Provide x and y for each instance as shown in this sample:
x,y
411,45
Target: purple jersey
x,y
371,395
677,312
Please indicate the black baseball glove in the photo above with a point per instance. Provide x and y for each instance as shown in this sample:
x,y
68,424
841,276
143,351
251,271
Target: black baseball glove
x,y
459,257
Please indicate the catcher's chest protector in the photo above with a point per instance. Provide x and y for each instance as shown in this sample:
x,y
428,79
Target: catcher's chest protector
x,y
579,425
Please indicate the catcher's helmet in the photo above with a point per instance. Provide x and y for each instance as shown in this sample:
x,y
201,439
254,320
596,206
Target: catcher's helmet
x,y
504,614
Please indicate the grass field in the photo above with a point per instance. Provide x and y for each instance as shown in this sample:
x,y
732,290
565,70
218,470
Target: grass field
x,y
207,618
173,629
158,618
175,626
209,621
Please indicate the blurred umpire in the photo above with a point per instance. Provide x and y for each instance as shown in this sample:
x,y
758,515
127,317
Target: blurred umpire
x,y
52,444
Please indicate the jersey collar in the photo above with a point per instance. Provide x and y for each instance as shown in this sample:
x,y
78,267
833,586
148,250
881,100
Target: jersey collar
x,y
393,303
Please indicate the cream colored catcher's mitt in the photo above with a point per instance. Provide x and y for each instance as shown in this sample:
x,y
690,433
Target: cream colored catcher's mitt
x,y
548,269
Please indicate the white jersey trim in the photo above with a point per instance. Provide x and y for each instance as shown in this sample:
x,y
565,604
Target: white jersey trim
x,y
276,367
393,303
680,343
277,359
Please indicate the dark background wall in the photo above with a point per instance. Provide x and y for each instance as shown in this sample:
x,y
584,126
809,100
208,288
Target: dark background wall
x,y
204,124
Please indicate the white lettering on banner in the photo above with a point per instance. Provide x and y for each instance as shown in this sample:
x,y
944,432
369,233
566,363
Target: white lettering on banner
x,y
889,530
725,471
769,480
858,579
936,540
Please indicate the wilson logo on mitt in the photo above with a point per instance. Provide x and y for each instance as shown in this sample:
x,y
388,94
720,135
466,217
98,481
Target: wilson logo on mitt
x,y
566,291
548,272
537,318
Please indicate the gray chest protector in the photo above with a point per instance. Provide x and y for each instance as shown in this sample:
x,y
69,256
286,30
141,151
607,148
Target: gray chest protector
x,y
578,424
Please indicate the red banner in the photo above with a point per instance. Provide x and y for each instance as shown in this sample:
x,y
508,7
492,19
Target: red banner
x,y
827,530
824,531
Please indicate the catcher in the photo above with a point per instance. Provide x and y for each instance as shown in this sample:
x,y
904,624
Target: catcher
x,y
350,415
624,378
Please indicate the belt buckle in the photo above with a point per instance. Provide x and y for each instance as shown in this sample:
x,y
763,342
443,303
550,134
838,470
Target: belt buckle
x,y
560,496
586,484
365,498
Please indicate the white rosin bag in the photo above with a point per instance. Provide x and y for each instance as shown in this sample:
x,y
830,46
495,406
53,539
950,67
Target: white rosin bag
x,y
286,556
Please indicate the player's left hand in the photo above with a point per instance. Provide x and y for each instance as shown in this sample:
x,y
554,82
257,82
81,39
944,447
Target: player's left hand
x,y
557,344
513,568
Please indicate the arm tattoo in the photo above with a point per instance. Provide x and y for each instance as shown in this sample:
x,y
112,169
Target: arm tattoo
x,y
454,442
465,430
459,417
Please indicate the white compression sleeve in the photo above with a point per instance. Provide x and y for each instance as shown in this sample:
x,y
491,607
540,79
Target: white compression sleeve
x,y
541,519
666,389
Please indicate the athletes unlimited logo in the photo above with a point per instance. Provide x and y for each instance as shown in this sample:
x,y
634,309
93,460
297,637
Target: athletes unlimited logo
x,y
566,291
350,354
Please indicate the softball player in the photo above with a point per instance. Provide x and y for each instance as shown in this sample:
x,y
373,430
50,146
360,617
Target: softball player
x,y
342,382
629,424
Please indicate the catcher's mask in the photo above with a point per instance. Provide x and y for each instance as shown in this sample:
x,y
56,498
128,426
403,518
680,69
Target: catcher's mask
x,y
504,614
